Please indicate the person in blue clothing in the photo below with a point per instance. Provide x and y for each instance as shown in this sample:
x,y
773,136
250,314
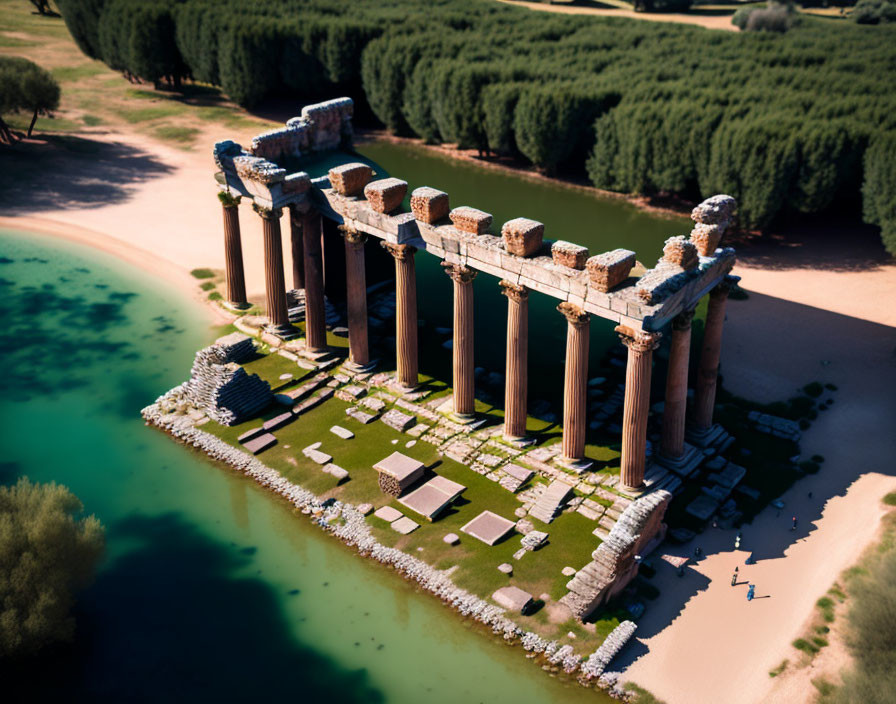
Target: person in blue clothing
x,y
750,592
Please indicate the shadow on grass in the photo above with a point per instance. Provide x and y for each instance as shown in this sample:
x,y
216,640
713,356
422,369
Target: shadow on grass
x,y
176,619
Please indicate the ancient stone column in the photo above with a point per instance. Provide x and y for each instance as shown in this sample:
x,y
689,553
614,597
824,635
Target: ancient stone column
x,y
275,288
298,248
672,443
315,314
405,313
575,388
708,371
233,251
356,297
517,378
637,403
464,395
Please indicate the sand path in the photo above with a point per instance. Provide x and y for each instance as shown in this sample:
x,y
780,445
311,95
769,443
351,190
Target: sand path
x,y
829,319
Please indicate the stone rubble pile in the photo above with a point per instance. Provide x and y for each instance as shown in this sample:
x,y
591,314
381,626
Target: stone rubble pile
x,y
595,665
773,425
222,388
347,523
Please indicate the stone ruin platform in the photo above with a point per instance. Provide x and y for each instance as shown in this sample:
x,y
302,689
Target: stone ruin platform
x,y
488,527
433,497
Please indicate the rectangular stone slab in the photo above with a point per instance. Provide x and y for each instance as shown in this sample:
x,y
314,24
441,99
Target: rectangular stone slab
x,y
260,443
488,527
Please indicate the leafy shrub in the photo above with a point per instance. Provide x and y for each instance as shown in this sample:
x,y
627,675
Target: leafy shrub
x,y
215,296
813,389
874,12
207,286
890,499
805,646
202,273
774,18
25,86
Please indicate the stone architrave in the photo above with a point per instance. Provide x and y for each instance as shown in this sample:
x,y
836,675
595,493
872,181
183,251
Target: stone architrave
x,y
674,410
637,403
405,313
708,370
275,287
298,248
517,374
356,297
464,398
575,388
315,314
233,251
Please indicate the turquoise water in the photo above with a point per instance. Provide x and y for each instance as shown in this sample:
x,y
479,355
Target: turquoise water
x,y
211,590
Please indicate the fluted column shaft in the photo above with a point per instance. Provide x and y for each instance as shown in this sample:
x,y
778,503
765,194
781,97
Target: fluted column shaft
x,y
233,251
708,370
275,287
405,313
298,248
315,314
675,407
517,375
356,297
575,387
637,403
462,349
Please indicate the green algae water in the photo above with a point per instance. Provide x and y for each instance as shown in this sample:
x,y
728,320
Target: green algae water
x,y
211,589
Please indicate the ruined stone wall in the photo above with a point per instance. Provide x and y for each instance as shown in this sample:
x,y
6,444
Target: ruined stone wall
x,y
639,529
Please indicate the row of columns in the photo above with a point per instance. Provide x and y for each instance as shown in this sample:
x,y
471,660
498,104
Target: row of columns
x,y
305,229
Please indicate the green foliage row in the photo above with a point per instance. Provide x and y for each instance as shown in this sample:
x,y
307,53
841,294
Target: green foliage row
x,y
48,552
786,123
25,86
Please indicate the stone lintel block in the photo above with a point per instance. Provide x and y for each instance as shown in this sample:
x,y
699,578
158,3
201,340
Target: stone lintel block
x,y
429,234
578,285
350,179
298,182
633,310
470,220
435,250
681,252
451,243
429,205
542,287
597,298
576,300
510,262
485,251
405,227
569,254
619,304
385,195
610,269
522,236
487,267
603,312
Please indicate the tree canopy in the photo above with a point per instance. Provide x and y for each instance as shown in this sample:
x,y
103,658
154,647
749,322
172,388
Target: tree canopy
x,y
780,120
48,552
27,87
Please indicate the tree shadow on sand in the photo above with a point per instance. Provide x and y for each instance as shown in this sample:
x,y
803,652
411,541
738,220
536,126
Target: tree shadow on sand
x,y
176,619
72,172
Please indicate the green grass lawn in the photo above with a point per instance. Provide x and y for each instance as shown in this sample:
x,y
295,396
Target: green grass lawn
x,y
475,564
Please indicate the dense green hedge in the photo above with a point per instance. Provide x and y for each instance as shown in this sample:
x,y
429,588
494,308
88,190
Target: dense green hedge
x,y
782,122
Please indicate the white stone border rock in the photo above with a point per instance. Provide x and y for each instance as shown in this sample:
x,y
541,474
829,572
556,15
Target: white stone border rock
x,y
353,530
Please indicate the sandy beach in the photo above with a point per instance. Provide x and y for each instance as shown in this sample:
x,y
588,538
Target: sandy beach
x,y
806,319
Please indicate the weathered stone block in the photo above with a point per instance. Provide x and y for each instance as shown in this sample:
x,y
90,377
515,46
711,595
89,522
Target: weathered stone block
x,y
706,238
681,252
522,236
470,220
429,205
568,254
610,269
350,179
385,195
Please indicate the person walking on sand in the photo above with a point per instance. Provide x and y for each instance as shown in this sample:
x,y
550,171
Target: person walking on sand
x,y
793,525
737,542
734,577
750,592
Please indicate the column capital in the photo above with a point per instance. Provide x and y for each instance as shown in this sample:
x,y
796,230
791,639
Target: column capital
x,y
515,293
401,252
267,213
459,273
228,200
638,340
682,321
573,314
352,236
724,287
